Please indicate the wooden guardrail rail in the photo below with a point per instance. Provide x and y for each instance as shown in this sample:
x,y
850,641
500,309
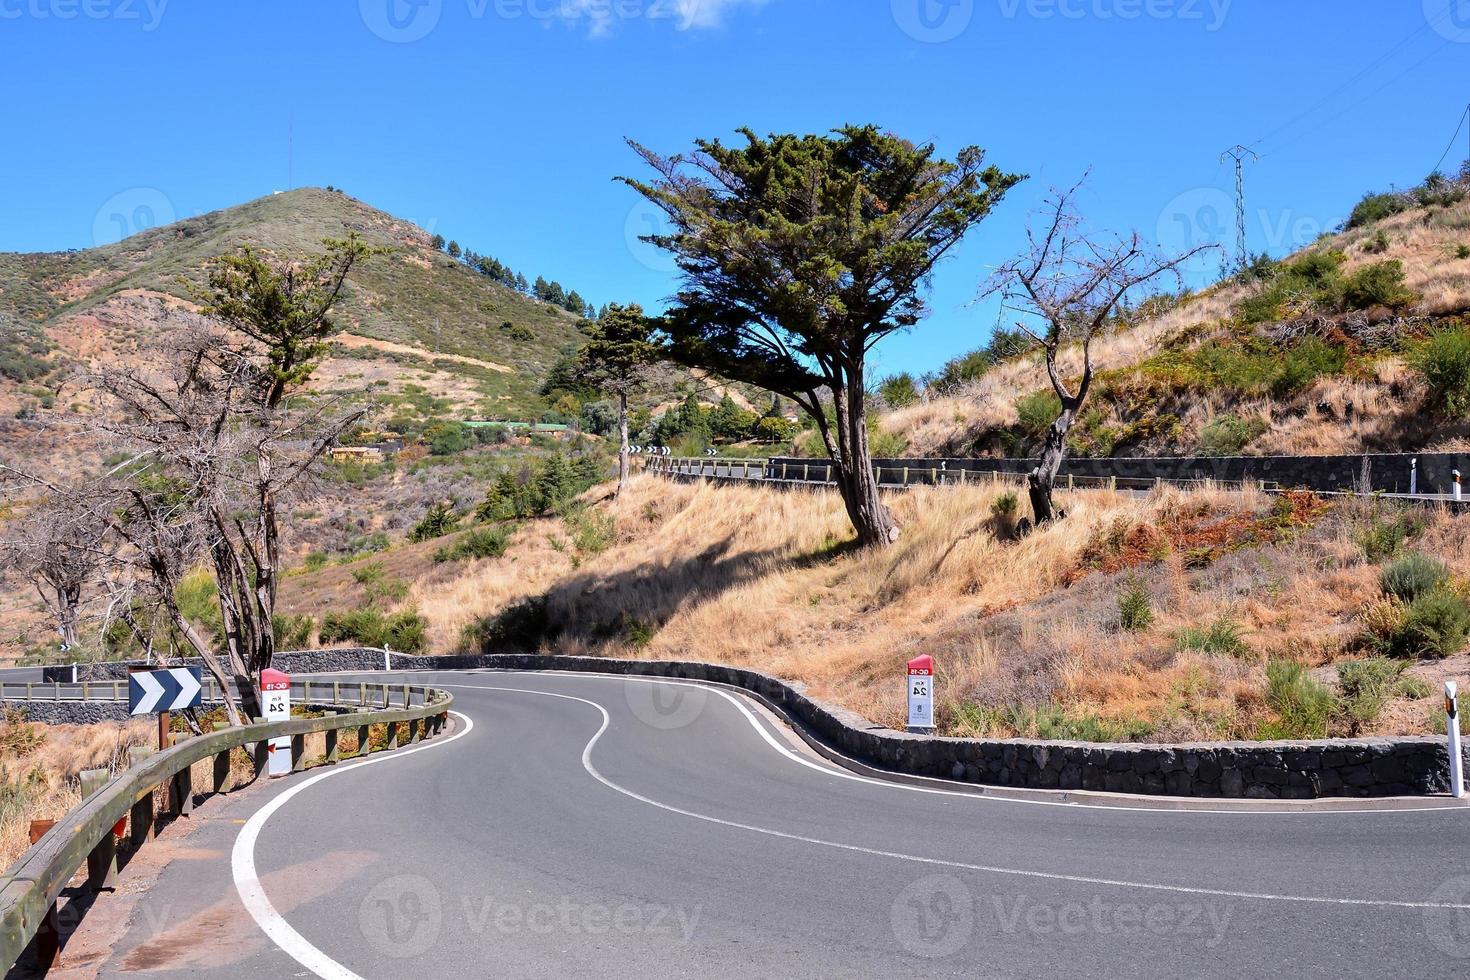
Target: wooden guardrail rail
x,y
30,887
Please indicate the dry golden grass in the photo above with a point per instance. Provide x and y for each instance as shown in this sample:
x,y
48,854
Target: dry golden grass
x,y
766,579
39,766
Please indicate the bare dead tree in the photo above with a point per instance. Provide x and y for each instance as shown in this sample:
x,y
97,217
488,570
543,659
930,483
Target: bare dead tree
x,y
53,548
217,462
1067,287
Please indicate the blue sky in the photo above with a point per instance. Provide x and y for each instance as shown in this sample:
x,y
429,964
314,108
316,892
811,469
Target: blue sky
x,y
500,122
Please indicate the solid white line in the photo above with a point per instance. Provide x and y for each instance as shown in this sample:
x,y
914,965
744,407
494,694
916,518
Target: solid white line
x,y
252,893
832,769
961,865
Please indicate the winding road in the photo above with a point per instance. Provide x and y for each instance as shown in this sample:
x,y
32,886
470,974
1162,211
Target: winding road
x,y
597,826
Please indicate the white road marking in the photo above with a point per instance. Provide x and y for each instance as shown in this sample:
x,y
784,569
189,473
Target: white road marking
x,y
832,769
252,893
961,865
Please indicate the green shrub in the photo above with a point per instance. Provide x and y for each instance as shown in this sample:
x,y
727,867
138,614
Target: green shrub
x,y
592,531
1379,284
1225,637
292,632
523,625
899,390
482,542
1227,435
1383,537
439,520
1444,361
405,632
1375,207
1036,412
1412,576
1135,606
1303,706
1366,687
1005,506
1378,244
1435,625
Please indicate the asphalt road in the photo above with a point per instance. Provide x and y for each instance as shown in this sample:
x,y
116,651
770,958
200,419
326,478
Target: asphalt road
x,y
610,827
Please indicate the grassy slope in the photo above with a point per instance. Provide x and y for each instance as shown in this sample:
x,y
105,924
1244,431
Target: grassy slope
x,y
1027,634
1373,404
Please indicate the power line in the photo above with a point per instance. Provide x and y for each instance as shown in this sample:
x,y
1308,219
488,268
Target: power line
x,y
1453,139
1366,70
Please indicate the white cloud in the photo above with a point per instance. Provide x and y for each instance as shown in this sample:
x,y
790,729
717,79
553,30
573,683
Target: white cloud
x,y
600,16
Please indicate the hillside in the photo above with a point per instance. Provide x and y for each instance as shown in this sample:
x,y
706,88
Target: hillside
x,y
1309,355
418,323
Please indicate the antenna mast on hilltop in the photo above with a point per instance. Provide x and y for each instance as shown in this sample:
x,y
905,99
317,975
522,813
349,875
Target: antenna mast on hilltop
x,y
1238,153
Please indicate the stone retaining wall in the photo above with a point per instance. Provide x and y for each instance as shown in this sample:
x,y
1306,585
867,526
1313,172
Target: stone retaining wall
x,y
1268,770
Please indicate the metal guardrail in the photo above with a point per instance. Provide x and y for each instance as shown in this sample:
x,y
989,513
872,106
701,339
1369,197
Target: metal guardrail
x,y
30,887
302,691
898,477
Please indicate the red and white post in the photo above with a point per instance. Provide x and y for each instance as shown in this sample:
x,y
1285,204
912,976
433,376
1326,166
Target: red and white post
x,y
921,695
1452,729
275,688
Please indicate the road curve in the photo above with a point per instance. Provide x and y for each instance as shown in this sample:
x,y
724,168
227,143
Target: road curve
x,y
606,826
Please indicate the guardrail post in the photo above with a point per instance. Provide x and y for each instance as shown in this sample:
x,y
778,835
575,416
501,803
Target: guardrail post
x,y
222,771
298,753
30,691
905,476
261,753
102,860
407,697
48,936
364,740
362,695
58,689
334,754
140,818
336,692
181,786
392,735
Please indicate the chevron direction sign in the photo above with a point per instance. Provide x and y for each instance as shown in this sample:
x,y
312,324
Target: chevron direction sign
x,y
151,691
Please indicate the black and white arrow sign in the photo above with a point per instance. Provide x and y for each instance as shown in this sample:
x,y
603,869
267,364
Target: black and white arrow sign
x,y
151,691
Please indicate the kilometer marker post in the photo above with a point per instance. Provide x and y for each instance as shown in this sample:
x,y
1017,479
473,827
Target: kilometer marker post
x,y
1452,729
921,695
